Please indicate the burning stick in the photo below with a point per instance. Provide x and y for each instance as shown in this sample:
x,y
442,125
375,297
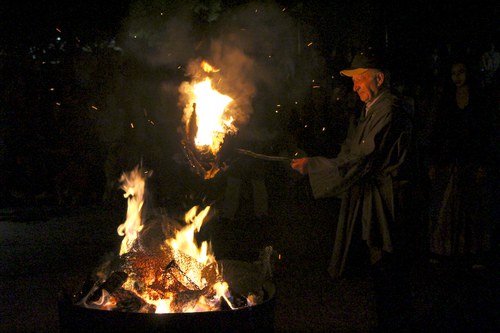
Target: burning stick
x,y
195,164
262,156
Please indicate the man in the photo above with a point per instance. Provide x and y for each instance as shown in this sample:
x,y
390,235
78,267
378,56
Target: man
x,y
367,176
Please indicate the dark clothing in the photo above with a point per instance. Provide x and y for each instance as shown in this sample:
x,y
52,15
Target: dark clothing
x,y
245,173
460,207
370,176
366,175
462,136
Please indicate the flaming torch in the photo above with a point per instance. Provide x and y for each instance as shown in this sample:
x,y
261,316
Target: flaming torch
x,y
207,119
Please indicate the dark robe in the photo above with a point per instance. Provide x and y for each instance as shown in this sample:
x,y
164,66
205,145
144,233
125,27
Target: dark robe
x,y
460,202
367,175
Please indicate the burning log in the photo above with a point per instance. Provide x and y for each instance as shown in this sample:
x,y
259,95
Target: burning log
x,y
127,301
176,272
113,282
190,300
145,266
109,285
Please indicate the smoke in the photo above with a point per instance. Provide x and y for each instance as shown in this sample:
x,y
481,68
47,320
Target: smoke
x,y
255,46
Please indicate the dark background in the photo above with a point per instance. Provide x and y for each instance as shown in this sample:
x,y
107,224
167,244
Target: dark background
x,y
412,25
74,77
56,151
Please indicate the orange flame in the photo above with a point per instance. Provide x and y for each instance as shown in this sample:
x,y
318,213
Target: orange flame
x,y
133,185
208,109
208,68
189,258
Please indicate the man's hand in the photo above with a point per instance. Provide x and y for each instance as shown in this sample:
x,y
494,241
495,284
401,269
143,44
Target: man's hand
x,y
300,164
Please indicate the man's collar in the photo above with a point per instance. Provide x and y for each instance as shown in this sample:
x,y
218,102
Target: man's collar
x,y
369,104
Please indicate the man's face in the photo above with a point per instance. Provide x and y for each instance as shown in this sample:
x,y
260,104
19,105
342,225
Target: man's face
x,y
367,84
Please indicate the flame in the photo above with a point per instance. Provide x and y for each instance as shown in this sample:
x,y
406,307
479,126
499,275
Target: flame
x,y
133,184
206,111
190,261
210,106
184,240
208,68
177,275
163,306
184,245
222,289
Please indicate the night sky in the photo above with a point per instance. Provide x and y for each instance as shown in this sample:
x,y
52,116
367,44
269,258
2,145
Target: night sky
x,y
419,22
29,21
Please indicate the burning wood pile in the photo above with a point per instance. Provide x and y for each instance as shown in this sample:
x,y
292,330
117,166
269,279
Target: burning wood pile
x,y
172,274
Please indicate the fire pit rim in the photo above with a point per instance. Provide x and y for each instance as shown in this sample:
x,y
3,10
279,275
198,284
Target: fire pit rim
x,y
259,317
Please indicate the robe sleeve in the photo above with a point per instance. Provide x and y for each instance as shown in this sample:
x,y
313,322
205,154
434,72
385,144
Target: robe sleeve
x,y
357,158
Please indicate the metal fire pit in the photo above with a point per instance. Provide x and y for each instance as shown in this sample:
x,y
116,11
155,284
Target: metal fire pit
x,y
256,318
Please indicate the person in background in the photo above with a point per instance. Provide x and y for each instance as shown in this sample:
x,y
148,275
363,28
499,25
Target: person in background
x,y
461,164
489,64
368,175
245,174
